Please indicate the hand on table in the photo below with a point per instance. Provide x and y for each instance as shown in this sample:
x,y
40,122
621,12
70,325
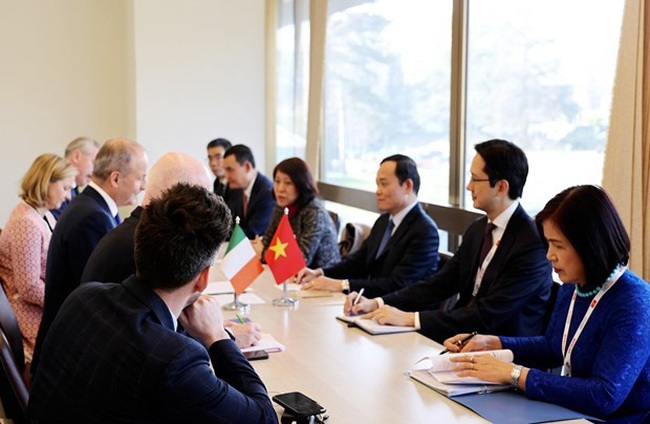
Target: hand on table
x,y
363,306
323,283
305,275
247,334
393,316
476,343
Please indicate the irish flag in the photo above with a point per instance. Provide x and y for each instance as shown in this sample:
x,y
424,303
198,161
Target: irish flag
x,y
240,263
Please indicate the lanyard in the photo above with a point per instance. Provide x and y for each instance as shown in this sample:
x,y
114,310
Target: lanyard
x,y
483,267
566,369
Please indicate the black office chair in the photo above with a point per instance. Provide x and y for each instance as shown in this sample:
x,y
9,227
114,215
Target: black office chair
x,y
13,390
447,304
9,325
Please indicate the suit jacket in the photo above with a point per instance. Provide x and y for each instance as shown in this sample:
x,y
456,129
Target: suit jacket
x,y
219,188
513,294
260,206
112,355
113,259
86,220
410,255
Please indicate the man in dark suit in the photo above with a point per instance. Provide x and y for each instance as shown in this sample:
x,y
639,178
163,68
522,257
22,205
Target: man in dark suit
x,y
79,153
500,269
390,258
113,353
118,177
113,260
216,151
249,195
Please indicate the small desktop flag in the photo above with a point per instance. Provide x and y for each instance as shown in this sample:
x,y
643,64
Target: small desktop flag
x,y
283,254
240,263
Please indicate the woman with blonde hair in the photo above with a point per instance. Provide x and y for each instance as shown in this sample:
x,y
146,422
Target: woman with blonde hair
x,y
25,239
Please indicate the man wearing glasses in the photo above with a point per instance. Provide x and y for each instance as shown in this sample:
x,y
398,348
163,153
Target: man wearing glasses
x,y
500,270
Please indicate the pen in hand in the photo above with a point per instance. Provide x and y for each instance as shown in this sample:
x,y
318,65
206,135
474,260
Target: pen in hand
x,y
461,342
354,302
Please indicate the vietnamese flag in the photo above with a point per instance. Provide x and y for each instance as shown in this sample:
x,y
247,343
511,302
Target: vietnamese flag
x,y
283,254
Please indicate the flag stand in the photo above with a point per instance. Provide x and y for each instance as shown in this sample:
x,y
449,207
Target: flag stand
x,y
285,300
236,305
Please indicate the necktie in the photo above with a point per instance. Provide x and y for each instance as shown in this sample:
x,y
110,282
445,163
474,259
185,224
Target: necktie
x,y
118,220
245,204
385,238
487,243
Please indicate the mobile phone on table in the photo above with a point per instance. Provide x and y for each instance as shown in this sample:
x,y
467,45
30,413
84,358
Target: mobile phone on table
x,y
256,355
298,404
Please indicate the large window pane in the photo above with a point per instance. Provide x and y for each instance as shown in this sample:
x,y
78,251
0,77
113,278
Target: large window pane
x,y
540,74
292,60
387,88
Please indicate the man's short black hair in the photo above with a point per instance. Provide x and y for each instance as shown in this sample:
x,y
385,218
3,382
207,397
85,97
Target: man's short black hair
x,y
220,142
242,154
504,161
405,167
179,234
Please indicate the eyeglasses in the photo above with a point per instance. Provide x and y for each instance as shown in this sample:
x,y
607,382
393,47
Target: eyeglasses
x,y
477,180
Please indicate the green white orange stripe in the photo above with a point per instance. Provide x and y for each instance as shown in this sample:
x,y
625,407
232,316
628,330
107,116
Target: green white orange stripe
x,y
241,265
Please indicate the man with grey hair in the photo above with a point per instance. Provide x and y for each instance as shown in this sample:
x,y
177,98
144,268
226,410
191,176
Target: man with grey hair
x,y
118,177
112,261
80,153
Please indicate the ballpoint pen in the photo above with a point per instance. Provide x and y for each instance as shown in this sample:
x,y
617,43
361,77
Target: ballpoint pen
x,y
240,319
358,298
461,342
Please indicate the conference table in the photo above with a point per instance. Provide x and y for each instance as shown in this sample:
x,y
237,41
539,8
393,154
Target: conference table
x,y
357,377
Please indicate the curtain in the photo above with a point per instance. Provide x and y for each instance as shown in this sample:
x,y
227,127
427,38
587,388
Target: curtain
x,y
318,30
626,174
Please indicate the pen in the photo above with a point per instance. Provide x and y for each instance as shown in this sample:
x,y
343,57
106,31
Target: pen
x,y
358,298
240,319
461,342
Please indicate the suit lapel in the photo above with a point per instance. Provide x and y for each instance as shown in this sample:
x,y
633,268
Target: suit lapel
x,y
149,298
505,244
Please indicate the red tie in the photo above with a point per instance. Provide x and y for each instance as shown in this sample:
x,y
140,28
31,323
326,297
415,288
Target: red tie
x,y
245,204
487,242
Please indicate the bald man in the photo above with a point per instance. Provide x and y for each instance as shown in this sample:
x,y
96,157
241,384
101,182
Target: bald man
x,y
113,258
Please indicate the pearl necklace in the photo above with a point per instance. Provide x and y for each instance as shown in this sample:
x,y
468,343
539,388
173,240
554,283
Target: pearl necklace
x,y
597,289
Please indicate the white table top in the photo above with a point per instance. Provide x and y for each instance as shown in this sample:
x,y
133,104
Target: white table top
x,y
355,376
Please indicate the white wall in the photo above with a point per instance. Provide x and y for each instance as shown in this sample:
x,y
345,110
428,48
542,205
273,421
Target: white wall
x,y
62,75
172,74
199,74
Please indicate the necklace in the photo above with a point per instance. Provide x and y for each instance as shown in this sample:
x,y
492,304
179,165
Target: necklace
x,y
589,293
597,289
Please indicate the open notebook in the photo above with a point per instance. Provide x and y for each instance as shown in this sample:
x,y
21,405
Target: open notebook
x,y
440,375
373,327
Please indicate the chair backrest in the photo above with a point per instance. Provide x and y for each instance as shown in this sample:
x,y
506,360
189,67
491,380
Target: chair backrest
x,y
13,390
9,325
352,237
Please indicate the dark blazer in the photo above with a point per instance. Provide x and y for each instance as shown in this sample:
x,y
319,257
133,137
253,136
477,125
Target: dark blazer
x,y
513,294
410,255
260,206
219,188
86,220
113,259
112,355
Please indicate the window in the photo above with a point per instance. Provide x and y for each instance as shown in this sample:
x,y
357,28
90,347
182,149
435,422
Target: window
x,y
540,74
387,87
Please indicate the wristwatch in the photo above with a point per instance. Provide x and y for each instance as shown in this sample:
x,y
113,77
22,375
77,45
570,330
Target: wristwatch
x,y
515,373
345,286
